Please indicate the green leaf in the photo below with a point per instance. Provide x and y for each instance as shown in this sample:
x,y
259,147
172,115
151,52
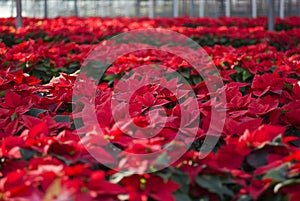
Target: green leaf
x,y
288,87
27,154
183,180
77,123
245,75
109,78
277,141
284,111
40,68
162,159
175,175
180,177
179,196
66,161
62,118
166,175
35,112
278,174
241,75
95,69
257,158
245,198
13,116
2,93
214,184
204,199
185,74
196,79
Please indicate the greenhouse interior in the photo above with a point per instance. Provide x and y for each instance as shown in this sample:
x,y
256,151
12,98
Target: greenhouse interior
x,y
149,100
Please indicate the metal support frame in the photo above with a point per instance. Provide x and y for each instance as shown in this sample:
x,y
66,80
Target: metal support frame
x,y
254,8
175,8
192,7
201,8
76,11
227,8
19,20
45,9
127,9
102,9
151,8
138,8
281,8
271,15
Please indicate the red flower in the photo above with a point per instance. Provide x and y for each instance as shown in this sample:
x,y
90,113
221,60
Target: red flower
x,y
11,147
140,188
291,113
263,135
267,82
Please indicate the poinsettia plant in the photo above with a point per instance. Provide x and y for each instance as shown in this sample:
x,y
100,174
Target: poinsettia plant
x,y
43,155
